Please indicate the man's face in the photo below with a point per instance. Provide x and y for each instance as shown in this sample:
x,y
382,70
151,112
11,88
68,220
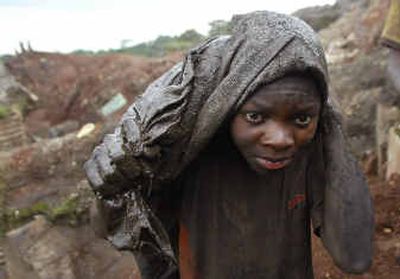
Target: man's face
x,y
275,122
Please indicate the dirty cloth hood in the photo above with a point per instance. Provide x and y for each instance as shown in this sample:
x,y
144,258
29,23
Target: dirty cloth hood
x,y
187,104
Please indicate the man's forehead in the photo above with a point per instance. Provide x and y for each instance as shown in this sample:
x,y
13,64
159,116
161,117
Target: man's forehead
x,y
294,83
294,86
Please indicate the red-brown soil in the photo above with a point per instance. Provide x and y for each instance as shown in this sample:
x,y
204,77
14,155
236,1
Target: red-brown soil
x,y
75,87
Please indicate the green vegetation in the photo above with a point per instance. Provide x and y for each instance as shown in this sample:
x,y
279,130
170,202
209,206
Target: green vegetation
x,y
15,218
67,208
83,52
4,111
397,130
220,27
21,105
3,58
71,210
163,45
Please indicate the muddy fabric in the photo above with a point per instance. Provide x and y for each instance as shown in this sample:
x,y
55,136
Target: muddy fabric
x,y
391,31
135,170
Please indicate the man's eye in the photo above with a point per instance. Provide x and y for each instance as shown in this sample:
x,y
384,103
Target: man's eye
x,y
253,117
302,120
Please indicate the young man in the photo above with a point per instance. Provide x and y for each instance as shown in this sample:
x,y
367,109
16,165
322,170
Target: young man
x,y
218,168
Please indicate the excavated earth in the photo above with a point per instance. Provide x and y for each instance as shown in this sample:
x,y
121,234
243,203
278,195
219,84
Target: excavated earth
x,y
75,87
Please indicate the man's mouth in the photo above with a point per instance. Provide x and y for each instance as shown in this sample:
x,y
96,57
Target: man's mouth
x,y
273,164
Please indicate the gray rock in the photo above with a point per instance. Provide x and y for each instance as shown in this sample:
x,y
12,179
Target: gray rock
x,y
346,5
40,250
63,128
357,85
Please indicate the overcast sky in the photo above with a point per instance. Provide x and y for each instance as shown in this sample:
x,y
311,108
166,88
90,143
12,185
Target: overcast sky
x,y
64,26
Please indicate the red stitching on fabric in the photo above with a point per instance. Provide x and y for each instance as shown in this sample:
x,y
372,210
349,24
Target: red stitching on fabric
x,y
297,199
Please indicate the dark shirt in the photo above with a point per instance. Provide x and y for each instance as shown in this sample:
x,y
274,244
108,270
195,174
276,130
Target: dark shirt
x,y
237,224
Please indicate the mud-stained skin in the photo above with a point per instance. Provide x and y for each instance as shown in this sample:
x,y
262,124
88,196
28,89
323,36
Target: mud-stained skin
x,y
276,121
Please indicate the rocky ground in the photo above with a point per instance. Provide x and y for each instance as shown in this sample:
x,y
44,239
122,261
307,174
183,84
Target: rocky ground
x,y
45,201
46,205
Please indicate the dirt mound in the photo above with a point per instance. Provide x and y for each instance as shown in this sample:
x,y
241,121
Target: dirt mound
x,y
76,86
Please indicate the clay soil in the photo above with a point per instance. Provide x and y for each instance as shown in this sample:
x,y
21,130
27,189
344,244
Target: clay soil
x,y
74,87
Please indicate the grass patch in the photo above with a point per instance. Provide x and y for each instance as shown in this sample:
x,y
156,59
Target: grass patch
x,y
16,217
70,210
5,111
397,131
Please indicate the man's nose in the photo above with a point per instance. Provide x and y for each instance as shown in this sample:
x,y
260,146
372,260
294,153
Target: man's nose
x,y
277,136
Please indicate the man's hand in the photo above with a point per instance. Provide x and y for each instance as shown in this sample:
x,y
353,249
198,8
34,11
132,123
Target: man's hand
x,y
100,168
110,167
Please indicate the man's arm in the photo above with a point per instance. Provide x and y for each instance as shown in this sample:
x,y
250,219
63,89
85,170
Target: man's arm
x,y
121,171
121,161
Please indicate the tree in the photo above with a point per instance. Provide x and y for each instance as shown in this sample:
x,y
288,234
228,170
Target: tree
x,y
220,27
191,35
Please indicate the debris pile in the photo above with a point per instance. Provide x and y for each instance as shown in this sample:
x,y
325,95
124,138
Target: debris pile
x,y
75,87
